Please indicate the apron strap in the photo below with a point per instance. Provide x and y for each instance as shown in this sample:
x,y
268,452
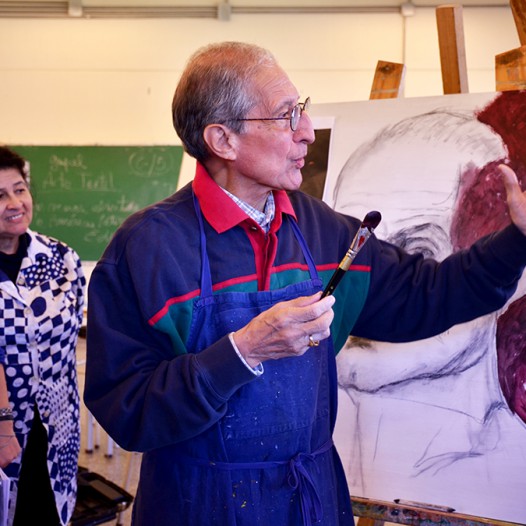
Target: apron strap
x,y
298,478
206,276
306,252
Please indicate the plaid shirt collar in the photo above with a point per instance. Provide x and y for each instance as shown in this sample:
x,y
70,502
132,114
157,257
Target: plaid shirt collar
x,y
223,213
263,219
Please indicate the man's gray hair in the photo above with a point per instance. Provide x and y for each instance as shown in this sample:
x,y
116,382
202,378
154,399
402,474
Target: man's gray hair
x,y
216,88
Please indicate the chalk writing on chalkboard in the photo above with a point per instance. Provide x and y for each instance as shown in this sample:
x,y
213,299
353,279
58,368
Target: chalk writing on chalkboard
x,y
82,194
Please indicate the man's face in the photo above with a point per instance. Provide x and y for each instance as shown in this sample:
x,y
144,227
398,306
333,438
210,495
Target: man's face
x,y
269,154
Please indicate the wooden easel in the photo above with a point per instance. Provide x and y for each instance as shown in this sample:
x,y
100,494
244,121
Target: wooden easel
x,y
376,513
510,74
510,66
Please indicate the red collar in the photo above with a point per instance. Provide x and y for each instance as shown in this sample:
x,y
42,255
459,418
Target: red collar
x,y
220,211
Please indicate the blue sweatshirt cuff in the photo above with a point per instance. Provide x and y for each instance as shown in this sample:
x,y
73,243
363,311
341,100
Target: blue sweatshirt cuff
x,y
222,368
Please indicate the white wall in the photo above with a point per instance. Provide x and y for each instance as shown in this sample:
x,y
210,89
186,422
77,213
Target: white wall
x,y
79,81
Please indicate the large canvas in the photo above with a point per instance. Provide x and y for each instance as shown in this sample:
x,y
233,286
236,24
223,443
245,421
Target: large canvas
x,y
440,421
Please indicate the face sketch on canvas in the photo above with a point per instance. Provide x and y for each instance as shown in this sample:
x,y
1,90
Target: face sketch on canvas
x,y
441,397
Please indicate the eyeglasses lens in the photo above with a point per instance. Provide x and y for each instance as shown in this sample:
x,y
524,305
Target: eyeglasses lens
x,y
296,113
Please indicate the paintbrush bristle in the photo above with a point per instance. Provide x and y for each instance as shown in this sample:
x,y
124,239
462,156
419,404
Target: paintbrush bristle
x,y
371,220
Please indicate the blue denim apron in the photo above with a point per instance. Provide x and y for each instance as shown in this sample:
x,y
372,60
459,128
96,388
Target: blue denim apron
x,y
270,460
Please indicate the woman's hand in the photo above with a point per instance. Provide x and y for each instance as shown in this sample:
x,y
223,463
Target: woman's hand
x,y
9,446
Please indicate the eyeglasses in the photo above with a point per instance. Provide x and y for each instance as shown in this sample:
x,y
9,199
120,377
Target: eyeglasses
x,y
295,115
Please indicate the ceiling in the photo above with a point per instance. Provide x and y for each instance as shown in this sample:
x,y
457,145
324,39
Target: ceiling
x,y
210,8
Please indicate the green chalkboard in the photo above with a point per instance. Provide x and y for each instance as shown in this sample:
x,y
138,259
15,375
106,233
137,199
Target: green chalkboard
x,y
83,193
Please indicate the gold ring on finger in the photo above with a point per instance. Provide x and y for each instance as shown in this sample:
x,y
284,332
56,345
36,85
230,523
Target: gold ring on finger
x,y
313,342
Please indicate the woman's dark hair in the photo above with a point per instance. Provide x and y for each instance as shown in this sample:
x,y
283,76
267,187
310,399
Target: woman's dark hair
x,y
10,159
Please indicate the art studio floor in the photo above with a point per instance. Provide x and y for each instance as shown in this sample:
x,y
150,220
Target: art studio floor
x,y
109,460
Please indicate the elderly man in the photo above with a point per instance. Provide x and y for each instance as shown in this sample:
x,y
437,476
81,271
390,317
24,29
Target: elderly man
x,y
209,348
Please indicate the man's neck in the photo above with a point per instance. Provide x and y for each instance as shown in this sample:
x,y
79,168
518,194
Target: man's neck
x,y
245,189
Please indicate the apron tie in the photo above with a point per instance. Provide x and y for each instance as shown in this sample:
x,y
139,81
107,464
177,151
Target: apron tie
x,y
298,478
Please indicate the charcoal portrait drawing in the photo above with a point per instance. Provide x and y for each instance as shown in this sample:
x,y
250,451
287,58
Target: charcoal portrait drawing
x,y
441,420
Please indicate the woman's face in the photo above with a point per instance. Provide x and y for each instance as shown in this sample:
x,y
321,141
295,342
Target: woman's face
x,y
16,209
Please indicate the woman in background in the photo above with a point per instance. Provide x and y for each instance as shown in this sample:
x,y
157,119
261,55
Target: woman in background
x,y
41,300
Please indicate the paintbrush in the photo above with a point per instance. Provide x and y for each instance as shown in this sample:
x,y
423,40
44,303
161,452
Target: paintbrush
x,y
369,223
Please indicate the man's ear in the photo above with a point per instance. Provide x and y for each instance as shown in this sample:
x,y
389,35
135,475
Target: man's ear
x,y
220,140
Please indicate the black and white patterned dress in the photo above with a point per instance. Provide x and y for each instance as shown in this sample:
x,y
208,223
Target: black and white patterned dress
x,y
41,318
